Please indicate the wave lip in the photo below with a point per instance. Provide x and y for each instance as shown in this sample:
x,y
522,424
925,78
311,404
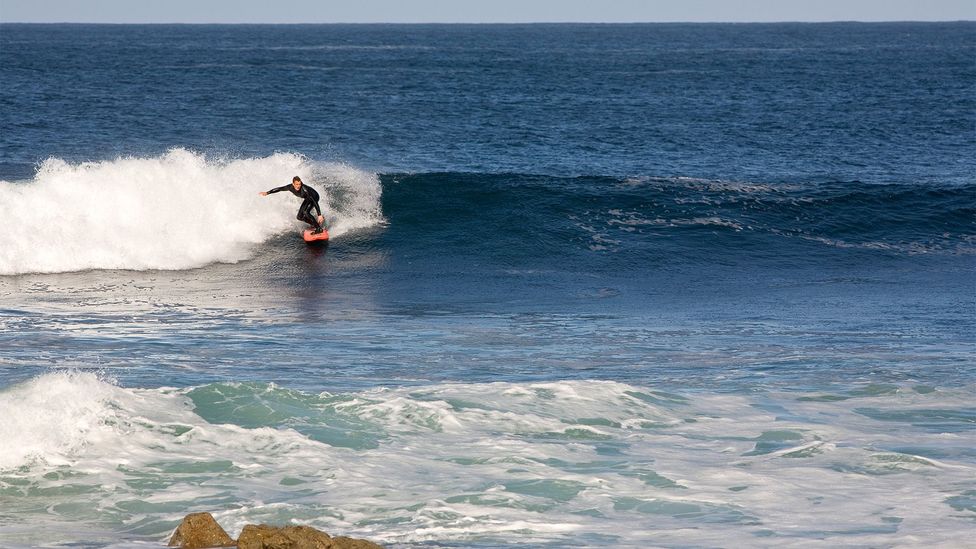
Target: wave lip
x,y
180,210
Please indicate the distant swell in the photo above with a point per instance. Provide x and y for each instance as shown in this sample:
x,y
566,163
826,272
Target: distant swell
x,y
179,210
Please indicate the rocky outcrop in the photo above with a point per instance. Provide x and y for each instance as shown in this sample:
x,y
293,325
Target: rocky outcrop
x,y
200,530
287,537
342,542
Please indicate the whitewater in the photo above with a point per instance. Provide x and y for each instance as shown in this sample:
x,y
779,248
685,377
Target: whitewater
x,y
179,210
589,462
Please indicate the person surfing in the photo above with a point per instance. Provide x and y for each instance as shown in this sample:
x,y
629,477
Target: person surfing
x,y
310,199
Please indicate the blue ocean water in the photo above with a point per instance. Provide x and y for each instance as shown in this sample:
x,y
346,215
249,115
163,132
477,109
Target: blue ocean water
x,y
588,285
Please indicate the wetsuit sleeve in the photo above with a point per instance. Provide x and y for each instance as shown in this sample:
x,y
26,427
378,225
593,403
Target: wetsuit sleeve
x,y
279,189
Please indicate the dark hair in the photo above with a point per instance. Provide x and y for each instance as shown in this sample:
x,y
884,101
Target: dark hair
x,y
296,178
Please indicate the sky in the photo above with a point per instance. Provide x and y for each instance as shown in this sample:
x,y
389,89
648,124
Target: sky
x,y
479,11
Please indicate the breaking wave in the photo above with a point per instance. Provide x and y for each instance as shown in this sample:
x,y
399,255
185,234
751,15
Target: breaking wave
x,y
180,210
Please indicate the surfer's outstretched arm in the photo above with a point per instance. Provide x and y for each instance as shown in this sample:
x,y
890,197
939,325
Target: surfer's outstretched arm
x,y
275,190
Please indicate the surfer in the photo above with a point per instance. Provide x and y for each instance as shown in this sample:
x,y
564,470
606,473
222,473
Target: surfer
x,y
310,200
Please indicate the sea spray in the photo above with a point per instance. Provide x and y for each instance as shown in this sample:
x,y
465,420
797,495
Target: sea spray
x,y
179,210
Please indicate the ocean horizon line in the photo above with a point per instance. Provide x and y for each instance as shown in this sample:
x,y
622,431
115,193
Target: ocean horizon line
x,y
488,23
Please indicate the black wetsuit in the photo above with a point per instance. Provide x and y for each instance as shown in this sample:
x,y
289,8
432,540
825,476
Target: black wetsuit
x,y
310,200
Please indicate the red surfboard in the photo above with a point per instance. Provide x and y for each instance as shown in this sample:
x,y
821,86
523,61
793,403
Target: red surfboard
x,y
309,236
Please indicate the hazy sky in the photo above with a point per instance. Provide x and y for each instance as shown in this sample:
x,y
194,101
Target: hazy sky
x,y
478,11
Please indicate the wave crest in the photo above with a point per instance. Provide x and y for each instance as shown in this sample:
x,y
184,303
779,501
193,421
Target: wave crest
x,y
179,210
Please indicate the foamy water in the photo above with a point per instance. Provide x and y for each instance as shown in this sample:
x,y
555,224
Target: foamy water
x,y
592,463
179,210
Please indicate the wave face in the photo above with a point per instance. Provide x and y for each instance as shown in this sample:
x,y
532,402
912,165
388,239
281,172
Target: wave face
x,y
567,463
678,219
180,210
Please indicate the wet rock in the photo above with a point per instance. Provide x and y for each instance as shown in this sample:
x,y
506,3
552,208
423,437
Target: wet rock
x,y
296,537
288,537
342,542
199,530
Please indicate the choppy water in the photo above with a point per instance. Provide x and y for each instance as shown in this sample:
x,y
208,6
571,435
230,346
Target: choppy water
x,y
604,286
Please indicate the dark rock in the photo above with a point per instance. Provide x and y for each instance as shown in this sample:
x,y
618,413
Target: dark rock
x,y
199,530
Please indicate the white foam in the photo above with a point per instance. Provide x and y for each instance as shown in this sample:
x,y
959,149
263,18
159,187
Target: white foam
x,y
179,210
565,462
47,420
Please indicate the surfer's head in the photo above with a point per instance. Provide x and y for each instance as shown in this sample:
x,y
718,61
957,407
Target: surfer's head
x,y
296,182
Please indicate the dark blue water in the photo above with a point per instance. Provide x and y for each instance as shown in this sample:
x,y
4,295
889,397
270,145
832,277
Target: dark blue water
x,y
588,285
881,103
